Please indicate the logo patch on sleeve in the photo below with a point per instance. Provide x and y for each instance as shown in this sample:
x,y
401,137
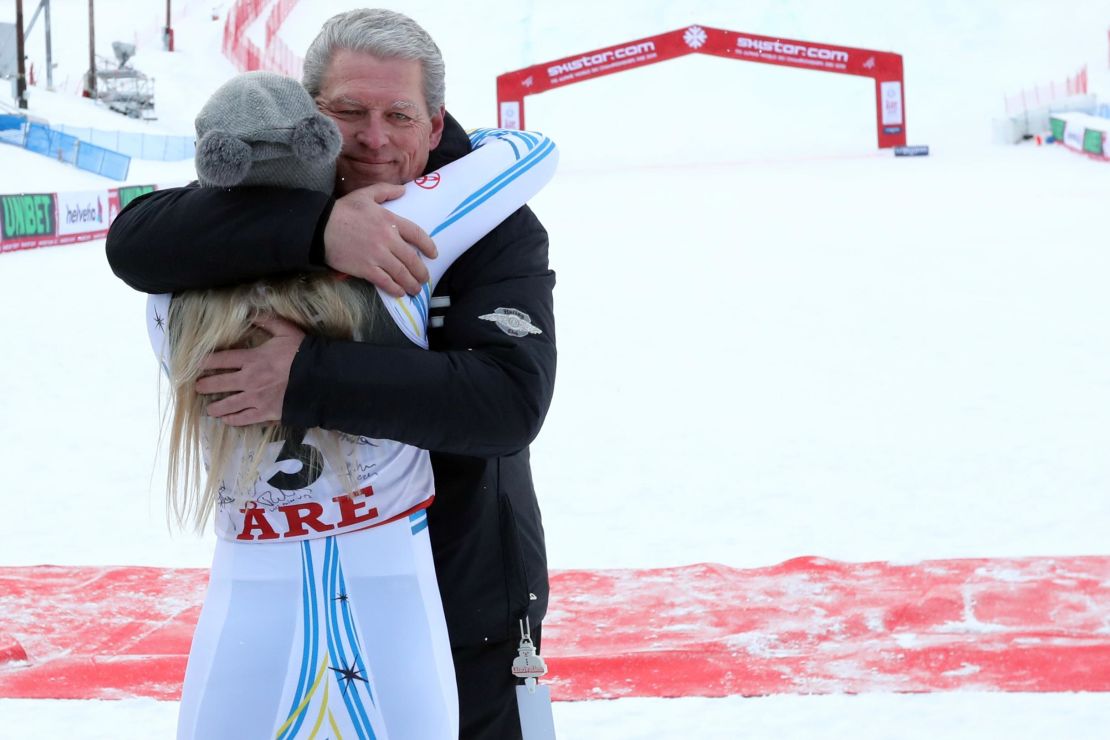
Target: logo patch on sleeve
x,y
511,321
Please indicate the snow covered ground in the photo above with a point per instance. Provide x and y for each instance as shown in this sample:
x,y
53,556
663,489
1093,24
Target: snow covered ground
x,y
952,716
774,342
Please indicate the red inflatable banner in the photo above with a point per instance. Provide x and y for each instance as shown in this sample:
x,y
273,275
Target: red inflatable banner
x,y
885,68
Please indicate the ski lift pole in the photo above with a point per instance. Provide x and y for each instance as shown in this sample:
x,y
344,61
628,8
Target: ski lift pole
x,y
91,86
167,32
20,75
49,52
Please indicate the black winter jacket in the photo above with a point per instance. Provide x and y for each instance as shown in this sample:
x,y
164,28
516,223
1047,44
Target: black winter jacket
x,y
476,401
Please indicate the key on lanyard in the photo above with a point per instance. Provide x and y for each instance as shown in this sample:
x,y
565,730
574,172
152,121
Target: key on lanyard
x,y
533,702
528,665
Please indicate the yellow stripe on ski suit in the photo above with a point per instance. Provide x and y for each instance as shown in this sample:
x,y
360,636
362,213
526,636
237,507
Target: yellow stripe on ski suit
x,y
334,727
409,316
320,720
307,698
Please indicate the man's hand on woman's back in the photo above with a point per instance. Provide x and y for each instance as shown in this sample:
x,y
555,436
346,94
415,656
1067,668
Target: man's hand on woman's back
x,y
256,378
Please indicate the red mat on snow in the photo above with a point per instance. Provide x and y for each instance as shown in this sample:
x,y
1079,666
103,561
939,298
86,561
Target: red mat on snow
x,y
805,626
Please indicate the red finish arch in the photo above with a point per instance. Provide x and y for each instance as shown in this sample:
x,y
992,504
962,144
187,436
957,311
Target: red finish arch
x,y
884,67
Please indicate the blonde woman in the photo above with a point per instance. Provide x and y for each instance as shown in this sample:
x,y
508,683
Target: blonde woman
x,y
323,613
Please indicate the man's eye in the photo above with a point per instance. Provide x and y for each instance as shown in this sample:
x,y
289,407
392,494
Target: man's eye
x,y
344,112
400,117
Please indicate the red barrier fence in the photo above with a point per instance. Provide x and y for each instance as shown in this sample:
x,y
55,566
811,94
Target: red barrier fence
x,y
884,67
1040,96
807,626
245,54
277,17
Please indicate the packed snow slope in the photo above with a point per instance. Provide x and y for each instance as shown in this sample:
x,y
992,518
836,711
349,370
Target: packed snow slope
x,y
772,343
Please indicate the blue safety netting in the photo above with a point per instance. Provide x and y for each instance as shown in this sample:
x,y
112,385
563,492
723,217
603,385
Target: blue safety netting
x,y
137,145
11,129
103,161
42,139
45,140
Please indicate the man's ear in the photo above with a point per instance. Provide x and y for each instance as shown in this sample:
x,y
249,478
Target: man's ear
x,y
437,127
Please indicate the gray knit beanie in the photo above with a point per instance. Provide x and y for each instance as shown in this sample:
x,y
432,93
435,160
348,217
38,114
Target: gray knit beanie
x,y
261,128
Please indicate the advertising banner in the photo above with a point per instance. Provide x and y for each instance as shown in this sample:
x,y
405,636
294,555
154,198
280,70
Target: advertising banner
x,y
1058,125
885,68
130,193
1093,141
891,93
27,220
82,214
1073,135
1082,133
612,59
807,54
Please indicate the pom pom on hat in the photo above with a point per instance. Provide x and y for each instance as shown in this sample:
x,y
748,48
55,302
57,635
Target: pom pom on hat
x,y
222,160
315,137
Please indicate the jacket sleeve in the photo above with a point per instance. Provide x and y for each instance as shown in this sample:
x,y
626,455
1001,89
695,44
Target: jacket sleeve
x,y
194,237
483,391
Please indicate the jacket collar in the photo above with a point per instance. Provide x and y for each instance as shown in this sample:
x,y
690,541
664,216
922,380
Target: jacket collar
x,y
452,145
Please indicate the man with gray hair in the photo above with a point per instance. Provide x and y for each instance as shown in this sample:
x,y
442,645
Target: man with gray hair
x,y
476,401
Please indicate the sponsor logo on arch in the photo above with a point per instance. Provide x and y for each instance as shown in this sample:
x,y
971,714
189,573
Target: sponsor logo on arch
x,y
796,53
601,61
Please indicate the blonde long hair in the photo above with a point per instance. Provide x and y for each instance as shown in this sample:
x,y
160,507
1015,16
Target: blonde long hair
x,y
205,321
